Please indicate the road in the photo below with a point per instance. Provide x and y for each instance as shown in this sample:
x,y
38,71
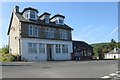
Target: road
x,y
59,69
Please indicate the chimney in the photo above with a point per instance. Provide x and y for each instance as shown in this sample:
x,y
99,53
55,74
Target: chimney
x,y
16,9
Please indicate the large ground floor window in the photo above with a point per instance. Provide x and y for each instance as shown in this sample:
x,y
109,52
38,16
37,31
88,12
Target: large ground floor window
x,y
34,48
61,48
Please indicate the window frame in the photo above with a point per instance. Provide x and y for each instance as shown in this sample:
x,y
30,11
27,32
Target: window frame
x,y
46,19
33,48
49,32
41,48
35,32
32,32
63,34
32,13
64,48
58,48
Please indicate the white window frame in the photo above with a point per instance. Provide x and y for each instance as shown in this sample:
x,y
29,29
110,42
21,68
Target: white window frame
x,y
63,34
64,48
30,30
32,13
49,33
46,19
58,20
34,32
58,48
33,48
41,48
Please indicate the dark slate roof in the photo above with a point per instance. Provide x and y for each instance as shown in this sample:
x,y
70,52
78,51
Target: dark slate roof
x,y
45,13
58,15
81,44
38,22
29,8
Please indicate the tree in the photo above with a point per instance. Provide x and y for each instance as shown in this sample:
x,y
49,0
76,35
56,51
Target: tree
x,y
4,49
100,53
113,44
5,55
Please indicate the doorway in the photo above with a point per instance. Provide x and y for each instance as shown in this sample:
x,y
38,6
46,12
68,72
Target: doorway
x,y
49,51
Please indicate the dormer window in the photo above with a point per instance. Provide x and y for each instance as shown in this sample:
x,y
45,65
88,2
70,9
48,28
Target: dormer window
x,y
47,19
59,20
32,14
45,16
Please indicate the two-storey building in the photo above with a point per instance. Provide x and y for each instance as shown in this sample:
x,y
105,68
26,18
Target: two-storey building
x,y
35,37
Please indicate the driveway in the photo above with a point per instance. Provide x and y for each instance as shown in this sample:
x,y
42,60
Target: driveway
x,y
59,69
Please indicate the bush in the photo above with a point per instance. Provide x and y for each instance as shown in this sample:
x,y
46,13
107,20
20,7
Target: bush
x,y
5,56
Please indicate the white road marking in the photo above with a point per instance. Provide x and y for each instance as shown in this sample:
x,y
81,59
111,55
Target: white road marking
x,y
104,77
117,72
113,74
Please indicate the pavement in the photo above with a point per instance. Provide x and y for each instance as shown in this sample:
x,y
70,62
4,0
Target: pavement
x,y
102,69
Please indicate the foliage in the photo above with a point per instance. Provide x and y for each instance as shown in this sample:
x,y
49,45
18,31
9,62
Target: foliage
x,y
4,55
106,47
4,49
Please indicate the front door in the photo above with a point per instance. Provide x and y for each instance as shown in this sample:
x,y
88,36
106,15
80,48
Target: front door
x,y
49,52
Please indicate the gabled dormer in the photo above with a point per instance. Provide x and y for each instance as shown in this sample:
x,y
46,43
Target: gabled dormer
x,y
30,13
45,16
58,19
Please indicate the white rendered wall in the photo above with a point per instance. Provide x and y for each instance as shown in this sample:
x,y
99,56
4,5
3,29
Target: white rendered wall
x,y
111,56
55,56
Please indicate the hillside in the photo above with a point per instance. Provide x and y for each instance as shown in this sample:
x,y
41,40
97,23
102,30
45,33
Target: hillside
x,y
105,47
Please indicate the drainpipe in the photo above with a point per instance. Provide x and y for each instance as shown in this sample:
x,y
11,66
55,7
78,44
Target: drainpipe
x,y
20,41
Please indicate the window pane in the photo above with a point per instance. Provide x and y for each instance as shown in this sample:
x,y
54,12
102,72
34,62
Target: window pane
x,y
47,19
36,31
65,48
58,48
41,48
49,33
32,47
32,14
60,21
29,47
30,30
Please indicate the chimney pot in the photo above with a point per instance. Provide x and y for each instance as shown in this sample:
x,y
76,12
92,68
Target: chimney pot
x,y
16,9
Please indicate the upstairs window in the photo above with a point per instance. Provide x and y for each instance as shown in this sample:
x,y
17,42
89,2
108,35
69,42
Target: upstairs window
x,y
33,31
30,30
47,19
32,15
59,20
49,33
63,34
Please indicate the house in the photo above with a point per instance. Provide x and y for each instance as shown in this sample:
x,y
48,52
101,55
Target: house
x,y
34,37
83,50
112,54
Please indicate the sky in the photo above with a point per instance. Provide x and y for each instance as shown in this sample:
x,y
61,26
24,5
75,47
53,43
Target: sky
x,y
93,22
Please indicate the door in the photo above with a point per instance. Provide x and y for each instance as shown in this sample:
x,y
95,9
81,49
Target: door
x,y
49,51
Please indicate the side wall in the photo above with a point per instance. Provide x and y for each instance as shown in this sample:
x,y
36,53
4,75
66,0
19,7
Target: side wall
x,y
14,36
55,56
